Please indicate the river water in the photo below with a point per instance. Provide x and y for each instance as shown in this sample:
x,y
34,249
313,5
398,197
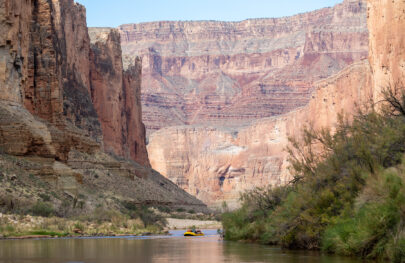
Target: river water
x,y
165,249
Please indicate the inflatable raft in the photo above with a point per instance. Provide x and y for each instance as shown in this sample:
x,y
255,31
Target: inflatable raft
x,y
190,233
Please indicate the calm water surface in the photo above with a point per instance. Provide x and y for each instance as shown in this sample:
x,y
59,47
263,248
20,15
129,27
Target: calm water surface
x,y
175,248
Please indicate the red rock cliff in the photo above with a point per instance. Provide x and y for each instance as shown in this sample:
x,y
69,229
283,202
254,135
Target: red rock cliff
x,y
58,59
116,96
230,73
217,163
45,68
15,21
48,121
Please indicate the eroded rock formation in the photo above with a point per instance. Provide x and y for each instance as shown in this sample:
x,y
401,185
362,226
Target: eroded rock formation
x,y
216,163
48,121
223,73
116,95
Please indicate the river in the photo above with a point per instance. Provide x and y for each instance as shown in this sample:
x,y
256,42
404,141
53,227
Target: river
x,y
165,249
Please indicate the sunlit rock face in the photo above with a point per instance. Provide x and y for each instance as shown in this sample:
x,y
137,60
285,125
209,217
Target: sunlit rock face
x,y
230,73
236,91
216,164
387,42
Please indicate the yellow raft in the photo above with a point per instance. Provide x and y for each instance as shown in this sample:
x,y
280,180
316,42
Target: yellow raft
x,y
193,234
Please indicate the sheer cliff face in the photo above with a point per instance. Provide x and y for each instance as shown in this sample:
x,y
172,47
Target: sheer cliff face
x,y
387,42
232,73
45,71
15,17
49,74
58,65
116,96
45,67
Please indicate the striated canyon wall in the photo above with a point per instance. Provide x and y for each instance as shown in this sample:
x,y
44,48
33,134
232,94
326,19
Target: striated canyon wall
x,y
231,73
52,121
215,163
226,83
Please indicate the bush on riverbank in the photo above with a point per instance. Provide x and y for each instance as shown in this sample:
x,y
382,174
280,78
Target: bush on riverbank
x,y
341,179
375,228
26,225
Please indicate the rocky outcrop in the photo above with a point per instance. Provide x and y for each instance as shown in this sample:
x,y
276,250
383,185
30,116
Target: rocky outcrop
x,y
48,121
135,129
216,164
116,96
231,73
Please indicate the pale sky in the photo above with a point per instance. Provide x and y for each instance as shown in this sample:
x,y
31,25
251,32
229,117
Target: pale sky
x,y
114,13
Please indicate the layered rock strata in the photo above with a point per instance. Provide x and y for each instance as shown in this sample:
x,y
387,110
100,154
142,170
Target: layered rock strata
x,y
231,73
216,164
48,121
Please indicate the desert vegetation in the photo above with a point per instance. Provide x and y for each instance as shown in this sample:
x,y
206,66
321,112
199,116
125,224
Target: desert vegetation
x,y
347,195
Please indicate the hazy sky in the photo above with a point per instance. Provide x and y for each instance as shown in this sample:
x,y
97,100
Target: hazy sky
x,y
117,12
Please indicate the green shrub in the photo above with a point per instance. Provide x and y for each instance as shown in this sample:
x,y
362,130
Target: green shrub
x,y
42,209
344,197
78,226
129,205
376,228
9,228
45,197
101,214
164,209
150,218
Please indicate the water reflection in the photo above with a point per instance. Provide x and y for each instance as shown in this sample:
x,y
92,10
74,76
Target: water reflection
x,y
151,249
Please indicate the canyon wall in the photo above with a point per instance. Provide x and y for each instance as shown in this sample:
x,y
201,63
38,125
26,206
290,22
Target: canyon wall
x,y
216,163
232,73
48,121
15,19
235,92
46,68
387,43
116,95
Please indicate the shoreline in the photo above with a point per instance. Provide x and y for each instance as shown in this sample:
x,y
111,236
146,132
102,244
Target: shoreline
x,y
176,223
14,227
79,236
100,236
